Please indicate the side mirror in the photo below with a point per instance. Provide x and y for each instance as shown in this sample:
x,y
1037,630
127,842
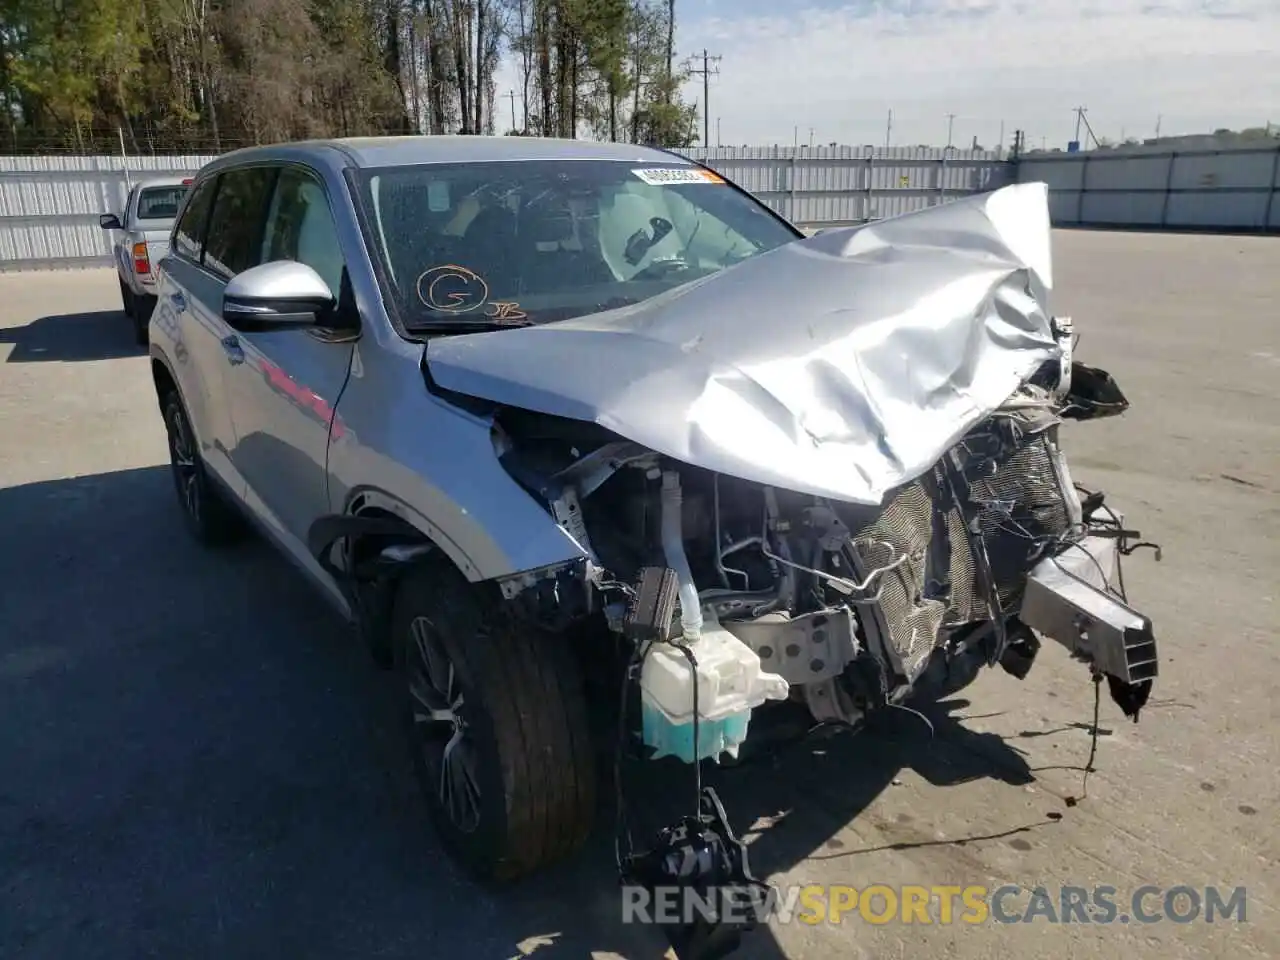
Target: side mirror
x,y
109,221
279,295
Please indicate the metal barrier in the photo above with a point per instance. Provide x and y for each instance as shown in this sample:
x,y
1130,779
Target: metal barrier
x,y
1233,189
49,206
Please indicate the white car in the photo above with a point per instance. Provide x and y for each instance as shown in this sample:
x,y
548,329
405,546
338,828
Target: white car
x,y
142,242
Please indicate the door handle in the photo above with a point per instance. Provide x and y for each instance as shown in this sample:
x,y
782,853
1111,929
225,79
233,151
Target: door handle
x,y
235,352
179,301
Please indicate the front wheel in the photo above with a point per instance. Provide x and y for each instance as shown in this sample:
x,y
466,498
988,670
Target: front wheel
x,y
498,726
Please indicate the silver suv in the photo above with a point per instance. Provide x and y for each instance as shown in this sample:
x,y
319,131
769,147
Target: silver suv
x,y
607,459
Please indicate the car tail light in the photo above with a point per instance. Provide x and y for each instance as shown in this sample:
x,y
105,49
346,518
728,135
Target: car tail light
x,y
188,182
141,259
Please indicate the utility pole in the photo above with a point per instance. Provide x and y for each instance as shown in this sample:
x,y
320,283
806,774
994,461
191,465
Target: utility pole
x,y
888,129
951,119
710,67
1080,117
1000,142
811,138
717,131
1159,117
511,95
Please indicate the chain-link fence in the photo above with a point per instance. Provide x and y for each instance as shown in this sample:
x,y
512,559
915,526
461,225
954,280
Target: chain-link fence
x,y
144,141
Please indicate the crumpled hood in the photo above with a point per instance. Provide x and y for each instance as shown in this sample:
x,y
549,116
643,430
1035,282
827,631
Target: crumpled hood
x,y
841,365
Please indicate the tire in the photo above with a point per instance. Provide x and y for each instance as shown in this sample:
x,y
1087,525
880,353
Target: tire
x,y
126,299
211,520
143,307
510,700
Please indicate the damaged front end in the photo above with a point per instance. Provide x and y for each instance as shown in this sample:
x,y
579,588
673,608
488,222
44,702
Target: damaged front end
x,y
765,594
838,520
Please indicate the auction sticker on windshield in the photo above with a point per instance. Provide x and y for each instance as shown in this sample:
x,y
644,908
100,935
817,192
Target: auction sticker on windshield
x,y
662,176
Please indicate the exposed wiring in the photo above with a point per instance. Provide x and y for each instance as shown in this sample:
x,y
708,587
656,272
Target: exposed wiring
x,y
622,831
1065,541
1106,581
952,475
915,713
1093,741
697,752
845,585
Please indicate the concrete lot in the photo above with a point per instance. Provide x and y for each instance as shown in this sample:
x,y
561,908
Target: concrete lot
x,y
196,760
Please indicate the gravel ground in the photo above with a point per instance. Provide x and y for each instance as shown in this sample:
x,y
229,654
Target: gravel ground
x,y
196,760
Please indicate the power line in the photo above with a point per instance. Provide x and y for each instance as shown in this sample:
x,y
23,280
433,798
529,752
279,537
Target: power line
x,y
710,67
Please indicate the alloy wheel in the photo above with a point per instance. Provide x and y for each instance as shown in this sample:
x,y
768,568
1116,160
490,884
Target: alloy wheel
x,y
183,460
440,729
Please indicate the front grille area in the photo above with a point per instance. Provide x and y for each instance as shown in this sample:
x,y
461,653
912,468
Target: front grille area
x,y
1021,508
913,619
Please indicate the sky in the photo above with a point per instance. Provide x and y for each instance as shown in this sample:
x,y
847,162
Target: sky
x,y
831,70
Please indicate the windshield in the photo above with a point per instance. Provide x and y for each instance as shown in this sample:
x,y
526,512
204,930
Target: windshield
x,y
536,241
160,203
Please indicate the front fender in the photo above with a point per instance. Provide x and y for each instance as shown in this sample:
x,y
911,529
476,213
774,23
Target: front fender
x,y
416,457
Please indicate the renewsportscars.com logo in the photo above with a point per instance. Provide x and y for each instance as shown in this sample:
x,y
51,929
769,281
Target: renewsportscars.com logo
x,y
881,904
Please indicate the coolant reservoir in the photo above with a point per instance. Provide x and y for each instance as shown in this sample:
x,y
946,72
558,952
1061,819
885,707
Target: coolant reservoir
x,y
730,685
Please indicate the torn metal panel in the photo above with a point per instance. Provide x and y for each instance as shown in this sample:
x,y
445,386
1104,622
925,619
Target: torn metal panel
x,y
842,365
1070,599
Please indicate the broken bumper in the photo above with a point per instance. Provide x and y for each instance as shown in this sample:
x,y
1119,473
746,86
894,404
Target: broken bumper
x,y
1076,599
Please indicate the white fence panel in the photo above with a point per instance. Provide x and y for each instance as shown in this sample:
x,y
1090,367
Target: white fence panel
x,y
49,206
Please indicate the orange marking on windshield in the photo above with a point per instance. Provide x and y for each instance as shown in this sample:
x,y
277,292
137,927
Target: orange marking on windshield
x,y
438,288
501,310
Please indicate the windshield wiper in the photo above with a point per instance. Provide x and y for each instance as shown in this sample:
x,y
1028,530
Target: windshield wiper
x,y
460,325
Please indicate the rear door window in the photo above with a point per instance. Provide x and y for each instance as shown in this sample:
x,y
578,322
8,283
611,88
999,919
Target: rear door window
x,y
188,238
234,241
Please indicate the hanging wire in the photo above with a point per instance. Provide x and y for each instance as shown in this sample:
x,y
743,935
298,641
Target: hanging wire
x,y
1093,741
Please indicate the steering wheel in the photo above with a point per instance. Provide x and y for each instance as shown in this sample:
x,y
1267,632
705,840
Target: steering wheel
x,y
660,269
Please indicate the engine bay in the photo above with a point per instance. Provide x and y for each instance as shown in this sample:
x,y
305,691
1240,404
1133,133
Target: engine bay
x,y
814,586
740,593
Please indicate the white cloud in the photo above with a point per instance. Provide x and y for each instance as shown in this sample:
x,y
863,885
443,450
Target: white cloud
x,y
1199,64
839,66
